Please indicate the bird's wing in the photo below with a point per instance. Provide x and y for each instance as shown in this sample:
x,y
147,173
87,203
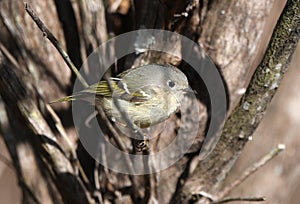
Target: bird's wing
x,y
103,89
121,91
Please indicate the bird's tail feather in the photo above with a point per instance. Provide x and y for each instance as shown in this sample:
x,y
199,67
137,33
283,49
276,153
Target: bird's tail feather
x,y
67,98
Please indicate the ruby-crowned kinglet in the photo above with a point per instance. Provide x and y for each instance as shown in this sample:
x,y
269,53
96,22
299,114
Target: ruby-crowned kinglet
x,y
148,94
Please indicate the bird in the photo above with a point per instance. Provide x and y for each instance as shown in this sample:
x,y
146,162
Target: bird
x,y
148,94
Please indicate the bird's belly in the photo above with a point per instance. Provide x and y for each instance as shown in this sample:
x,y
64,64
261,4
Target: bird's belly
x,y
142,115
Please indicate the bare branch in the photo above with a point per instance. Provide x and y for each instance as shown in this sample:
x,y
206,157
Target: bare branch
x,y
54,41
249,113
252,169
227,200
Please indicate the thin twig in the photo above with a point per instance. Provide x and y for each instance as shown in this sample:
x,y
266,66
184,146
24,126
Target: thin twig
x,y
71,149
233,199
250,170
124,114
97,192
115,135
122,147
61,131
147,177
8,55
47,33
120,144
137,131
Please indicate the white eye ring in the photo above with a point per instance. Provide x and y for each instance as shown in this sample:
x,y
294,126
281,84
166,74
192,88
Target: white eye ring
x,y
171,83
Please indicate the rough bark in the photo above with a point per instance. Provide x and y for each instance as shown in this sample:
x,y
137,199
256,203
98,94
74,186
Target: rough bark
x,y
248,114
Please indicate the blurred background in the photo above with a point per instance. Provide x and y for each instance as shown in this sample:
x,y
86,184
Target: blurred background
x,y
279,180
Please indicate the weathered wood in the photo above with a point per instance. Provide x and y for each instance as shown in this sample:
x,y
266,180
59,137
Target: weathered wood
x,y
249,113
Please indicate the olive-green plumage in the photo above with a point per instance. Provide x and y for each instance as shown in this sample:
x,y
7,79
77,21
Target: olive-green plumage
x,y
148,94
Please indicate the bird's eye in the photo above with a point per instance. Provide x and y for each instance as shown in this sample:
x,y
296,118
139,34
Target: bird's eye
x,y
171,83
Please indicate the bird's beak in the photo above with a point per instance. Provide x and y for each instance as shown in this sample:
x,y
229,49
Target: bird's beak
x,y
189,90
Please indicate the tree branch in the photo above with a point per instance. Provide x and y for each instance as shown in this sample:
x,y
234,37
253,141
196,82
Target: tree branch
x,y
249,113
